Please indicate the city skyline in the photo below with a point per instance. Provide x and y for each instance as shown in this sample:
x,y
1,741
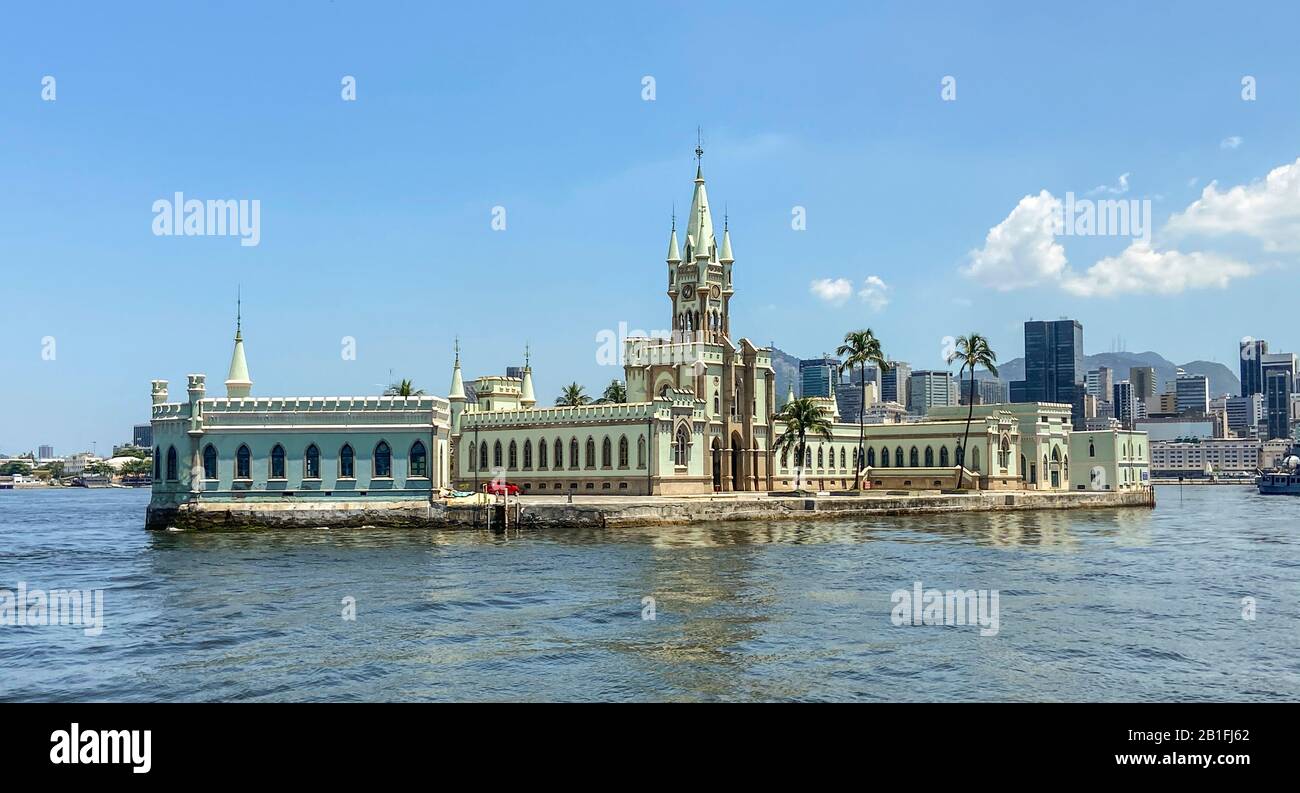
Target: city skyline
x,y
359,196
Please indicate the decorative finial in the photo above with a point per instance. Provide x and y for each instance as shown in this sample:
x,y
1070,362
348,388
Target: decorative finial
x,y
674,216
699,143
527,355
239,309
457,346
724,216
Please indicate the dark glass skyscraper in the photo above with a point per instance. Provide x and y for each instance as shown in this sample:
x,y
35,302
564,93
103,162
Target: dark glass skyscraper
x,y
1252,366
1054,369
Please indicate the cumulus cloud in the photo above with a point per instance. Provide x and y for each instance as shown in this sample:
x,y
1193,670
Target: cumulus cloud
x,y
874,293
1230,142
1266,210
1141,269
832,290
837,291
1022,250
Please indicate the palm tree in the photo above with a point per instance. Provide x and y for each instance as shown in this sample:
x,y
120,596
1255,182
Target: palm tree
x,y
572,396
860,348
801,417
403,389
615,393
973,351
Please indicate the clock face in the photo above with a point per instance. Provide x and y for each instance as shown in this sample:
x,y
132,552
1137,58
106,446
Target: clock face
x,y
688,291
715,291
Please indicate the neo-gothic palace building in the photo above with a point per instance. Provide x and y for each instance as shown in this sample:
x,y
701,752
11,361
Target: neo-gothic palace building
x,y
699,418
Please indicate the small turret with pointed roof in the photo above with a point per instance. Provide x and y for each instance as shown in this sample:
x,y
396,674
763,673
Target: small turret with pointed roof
x,y
457,391
526,396
238,383
699,229
725,256
674,250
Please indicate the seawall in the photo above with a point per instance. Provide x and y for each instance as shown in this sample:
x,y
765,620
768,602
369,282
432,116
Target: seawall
x,y
544,512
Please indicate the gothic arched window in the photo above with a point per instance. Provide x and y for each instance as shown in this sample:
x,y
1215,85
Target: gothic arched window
x,y
683,446
157,462
622,452
277,462
929,457
482,456
512,461
943,456
591,452
347,462
640,452
871,458
914,458
171,464
606,454
311,463
573,453
528,453
541,453
383,460
243,463
884,457
419,460
209,462
898,457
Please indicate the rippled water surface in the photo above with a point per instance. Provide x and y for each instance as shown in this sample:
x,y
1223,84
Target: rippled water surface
x,y
1128,604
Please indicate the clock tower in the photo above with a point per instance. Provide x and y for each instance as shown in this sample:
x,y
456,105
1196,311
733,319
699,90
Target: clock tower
x,y
699,284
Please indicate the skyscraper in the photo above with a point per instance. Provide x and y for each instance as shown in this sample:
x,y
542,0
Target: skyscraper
x,y
930,388
818,376
1053,365
1277,402
45,452
1101,382
1245,414
893,382
1252,366
1125,403
1143,379
1192,392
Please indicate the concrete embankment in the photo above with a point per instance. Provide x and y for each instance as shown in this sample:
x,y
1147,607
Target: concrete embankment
x,y
545,512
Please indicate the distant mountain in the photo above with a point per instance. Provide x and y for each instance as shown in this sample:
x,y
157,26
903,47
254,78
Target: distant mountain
x,y
787,372
1222,379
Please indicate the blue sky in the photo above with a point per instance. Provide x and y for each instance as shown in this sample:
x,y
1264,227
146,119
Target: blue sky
x,y
376,213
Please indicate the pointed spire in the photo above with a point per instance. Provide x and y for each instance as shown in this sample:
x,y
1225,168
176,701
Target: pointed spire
x,y
725,256
789,395
238,383
526,396
674,250
457,391
699,229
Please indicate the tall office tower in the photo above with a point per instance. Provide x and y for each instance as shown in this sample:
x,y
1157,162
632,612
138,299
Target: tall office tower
x,y
1252,366
1143,379
930,388
1100,382
44,452
1277,402
1053,365
1245,414
1125,403
893,382
1192,392
987,392
818,376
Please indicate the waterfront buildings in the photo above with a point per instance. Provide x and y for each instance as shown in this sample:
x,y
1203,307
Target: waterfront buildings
x,y
700,417
1109,459
1054,370
1199,457
1168,428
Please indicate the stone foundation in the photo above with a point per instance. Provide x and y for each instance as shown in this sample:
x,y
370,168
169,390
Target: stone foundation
x,y
546,513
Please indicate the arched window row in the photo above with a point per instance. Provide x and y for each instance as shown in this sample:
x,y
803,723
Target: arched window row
x,y
277,462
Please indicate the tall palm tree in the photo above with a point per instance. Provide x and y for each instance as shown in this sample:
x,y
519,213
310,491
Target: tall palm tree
x,y
405,388
973,351
615,393
572,396
801,417
860,348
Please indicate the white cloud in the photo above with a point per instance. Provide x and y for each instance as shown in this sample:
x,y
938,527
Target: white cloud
x,y
837,291
1230,142
1022,250
1141,269
1267,210
873,293
832,290
1120,188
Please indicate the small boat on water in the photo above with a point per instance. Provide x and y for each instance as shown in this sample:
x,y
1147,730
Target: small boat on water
x,y
1284,480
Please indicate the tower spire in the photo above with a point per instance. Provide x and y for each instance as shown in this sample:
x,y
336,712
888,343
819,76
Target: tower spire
x,y
457,391
527,398
238,383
